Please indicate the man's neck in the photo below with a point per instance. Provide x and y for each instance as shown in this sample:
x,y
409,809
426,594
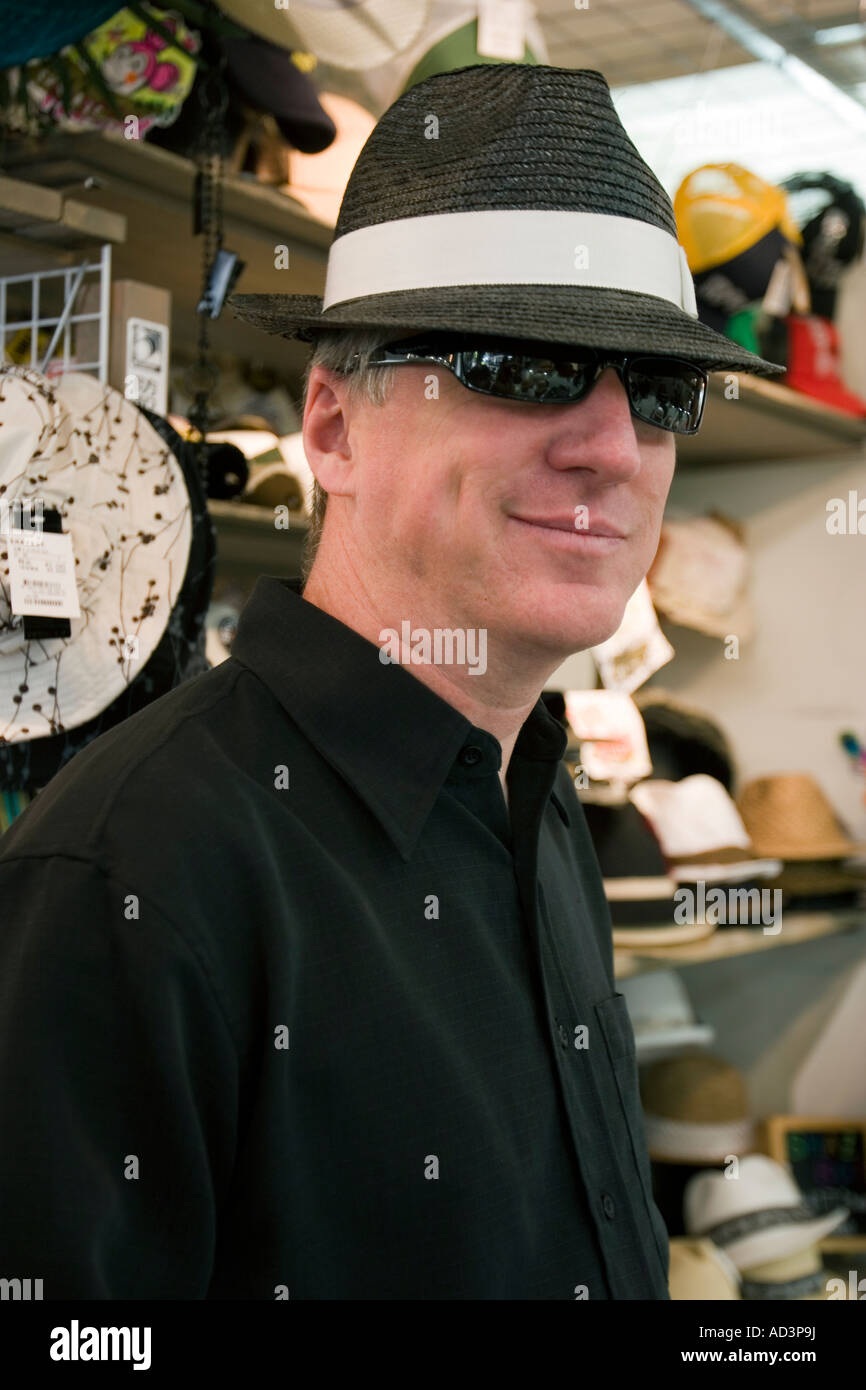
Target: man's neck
x,y
499,701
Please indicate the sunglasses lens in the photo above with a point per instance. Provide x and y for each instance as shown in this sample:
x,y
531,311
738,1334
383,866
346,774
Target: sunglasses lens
x,y
667,393
523,377
663,391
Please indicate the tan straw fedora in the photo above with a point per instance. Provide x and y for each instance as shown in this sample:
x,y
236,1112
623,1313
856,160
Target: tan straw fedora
x,y
696,1110
700,1271
789,817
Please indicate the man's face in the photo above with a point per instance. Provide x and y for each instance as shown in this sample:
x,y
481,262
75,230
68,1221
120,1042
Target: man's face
x,y
536,522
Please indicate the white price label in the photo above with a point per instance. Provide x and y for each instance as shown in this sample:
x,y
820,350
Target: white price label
x,y
42,575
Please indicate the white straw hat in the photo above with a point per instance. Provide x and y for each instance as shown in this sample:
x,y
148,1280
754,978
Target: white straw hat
x,y
82,449
759,1215
699,828
344,33
662,1016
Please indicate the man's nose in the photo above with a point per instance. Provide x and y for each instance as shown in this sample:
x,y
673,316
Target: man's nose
x,y
598,433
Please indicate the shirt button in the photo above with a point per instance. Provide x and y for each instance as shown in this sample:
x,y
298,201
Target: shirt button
x,y
471,755
608,1205
563,1035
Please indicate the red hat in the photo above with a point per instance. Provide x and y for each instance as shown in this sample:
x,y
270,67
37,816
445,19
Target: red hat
x,y
814,363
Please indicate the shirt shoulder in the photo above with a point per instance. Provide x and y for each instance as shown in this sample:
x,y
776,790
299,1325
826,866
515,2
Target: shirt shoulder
x,y
165,798
168,809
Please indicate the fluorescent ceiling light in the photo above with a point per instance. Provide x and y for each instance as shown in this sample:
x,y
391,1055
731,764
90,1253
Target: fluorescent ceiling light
x,y
755,41
841,33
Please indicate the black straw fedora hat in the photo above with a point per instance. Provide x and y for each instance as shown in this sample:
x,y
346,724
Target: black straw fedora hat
x,y
507,199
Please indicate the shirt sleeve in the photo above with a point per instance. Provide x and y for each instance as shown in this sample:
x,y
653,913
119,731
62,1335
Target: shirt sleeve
x,y
118,1089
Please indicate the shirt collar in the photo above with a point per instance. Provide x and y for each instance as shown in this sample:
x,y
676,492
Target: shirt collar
x,y
392,738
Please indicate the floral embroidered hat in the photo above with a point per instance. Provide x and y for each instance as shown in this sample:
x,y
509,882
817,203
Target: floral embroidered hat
x,y
80,453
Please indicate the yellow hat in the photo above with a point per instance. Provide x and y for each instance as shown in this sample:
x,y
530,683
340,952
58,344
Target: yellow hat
x,y
723,210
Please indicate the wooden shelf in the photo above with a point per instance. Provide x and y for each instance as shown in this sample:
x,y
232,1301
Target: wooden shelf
x,y
726,942
768,421
33,213
152,188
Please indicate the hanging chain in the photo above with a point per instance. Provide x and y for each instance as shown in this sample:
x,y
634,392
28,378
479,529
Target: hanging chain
x,y
208,222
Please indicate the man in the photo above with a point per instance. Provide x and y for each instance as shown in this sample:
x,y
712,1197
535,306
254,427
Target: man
x,y
306,972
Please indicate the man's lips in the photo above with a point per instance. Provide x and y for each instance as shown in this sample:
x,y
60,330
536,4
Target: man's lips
x,y
601,529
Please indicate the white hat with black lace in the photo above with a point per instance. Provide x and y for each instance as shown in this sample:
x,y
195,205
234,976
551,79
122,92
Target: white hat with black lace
x,y
79,449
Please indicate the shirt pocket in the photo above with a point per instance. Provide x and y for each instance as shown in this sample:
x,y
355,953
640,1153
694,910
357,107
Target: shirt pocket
x,y
613,1019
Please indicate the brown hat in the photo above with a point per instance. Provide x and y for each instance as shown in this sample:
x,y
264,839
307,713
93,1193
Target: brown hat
x,y
696,1109
789,817
818,878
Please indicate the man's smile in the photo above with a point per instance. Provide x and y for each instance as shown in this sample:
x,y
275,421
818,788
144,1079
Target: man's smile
x,y
561,532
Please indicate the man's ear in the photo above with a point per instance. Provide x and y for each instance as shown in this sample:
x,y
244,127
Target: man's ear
x,y
327,412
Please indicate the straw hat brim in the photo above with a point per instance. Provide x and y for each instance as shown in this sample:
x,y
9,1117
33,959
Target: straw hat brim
x,y
622,320
777,1242
633,936
808,877
795,852
362,35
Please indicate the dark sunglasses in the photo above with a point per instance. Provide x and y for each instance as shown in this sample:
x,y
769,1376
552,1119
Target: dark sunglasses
x,y
662,391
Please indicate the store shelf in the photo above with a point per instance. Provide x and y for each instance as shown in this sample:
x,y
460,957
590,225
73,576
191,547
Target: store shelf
x,y
44,215
248,542
152,188
726,942
844,1245
768,421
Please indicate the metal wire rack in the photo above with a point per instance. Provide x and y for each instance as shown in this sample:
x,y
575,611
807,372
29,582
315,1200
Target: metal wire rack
x,y
72,282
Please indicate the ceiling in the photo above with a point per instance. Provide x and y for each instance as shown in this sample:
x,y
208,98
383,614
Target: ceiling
x,y
637,42
655,39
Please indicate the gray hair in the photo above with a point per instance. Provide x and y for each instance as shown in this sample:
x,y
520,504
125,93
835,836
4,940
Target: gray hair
x,y
335,350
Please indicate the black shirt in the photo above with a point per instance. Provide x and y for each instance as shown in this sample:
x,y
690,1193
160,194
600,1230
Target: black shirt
x,y
291,1005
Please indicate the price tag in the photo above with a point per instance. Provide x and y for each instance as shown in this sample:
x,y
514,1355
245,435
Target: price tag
x,y
42,575
502,29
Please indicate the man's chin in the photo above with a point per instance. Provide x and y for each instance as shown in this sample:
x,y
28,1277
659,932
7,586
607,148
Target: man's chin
x,y
568,627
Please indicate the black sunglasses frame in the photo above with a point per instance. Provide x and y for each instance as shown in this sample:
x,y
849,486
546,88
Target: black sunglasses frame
x,y
424,350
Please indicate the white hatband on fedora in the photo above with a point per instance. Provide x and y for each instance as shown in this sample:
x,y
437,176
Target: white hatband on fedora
x,y
509,247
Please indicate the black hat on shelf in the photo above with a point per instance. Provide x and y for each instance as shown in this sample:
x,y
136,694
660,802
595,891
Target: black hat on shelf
x,y
832,219
258,75
684,740
637,883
